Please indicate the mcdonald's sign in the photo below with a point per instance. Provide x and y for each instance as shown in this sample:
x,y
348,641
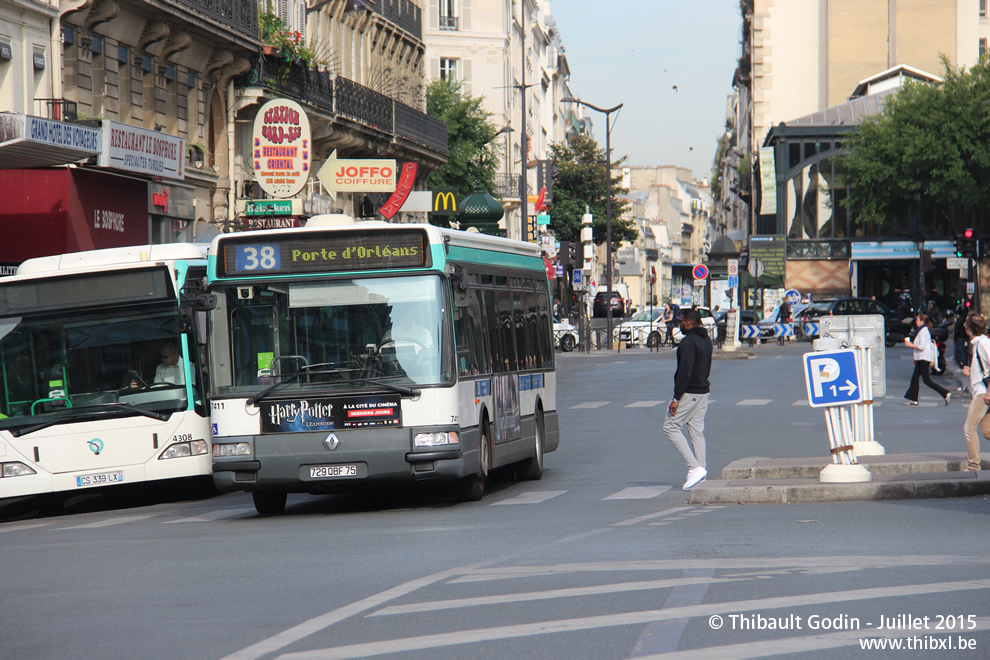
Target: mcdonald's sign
x,y
444,201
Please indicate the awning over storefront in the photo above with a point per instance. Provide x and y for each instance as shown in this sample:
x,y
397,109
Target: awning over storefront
x,y
877,250
27,141
69,210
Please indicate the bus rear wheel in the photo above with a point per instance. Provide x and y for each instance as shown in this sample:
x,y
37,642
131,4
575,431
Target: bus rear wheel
x,y
268,502
472,488
532,468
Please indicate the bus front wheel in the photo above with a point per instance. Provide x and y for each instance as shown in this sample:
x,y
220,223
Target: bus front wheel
x,y
472,488
268,502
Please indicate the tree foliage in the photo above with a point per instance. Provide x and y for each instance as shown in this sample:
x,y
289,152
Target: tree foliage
x,y
579,181
472,160
927,152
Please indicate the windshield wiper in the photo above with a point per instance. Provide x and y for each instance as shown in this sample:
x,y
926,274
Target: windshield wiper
x,y
79,413
408,391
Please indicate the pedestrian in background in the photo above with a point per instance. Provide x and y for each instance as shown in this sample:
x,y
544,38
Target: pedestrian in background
x,y
978,372
690,402
960,338
783,316
670,320
924,356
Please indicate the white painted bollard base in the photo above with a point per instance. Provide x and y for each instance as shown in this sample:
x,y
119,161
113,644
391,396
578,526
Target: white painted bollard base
x,y
868,448
836,474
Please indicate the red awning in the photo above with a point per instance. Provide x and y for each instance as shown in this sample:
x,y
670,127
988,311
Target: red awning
x,y
53,211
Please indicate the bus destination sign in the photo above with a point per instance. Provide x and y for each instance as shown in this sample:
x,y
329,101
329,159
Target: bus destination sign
x,y
323,252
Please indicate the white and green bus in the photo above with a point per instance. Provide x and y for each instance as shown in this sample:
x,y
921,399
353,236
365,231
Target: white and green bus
x,y
83,399
345,357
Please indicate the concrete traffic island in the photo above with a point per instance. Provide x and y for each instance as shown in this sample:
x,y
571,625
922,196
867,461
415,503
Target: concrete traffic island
x,y
796,480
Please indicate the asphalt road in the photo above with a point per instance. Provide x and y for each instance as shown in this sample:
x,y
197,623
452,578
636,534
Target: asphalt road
x,y
603,558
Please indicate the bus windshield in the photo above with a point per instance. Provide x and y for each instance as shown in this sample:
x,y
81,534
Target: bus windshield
x,y
76,366
326,335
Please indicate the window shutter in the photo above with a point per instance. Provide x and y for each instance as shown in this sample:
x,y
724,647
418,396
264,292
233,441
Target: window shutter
x,y
465,14
283,10
434,68
435,20
302,19
466,76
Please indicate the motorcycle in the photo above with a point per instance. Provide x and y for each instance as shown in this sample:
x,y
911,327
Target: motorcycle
x,y
940,336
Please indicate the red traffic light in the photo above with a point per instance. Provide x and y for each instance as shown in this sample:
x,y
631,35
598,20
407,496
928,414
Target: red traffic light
x,y
968,233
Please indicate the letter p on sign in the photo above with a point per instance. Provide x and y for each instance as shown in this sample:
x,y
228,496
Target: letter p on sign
x,y
823,370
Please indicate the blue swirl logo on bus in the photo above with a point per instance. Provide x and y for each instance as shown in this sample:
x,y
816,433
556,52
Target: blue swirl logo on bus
x,y
95,445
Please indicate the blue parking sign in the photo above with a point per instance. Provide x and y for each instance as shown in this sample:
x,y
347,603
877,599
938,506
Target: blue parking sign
x,y
832,378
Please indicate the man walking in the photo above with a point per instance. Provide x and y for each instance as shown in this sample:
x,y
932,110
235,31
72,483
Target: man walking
x,y
690,402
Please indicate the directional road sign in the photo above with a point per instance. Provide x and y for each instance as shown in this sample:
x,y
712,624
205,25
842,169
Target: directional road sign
x,y
749,332
792,296
783,330
733,281
832,378
810,329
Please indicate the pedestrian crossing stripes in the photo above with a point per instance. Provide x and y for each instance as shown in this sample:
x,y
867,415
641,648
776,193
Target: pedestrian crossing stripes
x,y
531,497
638,493
212,515
107,523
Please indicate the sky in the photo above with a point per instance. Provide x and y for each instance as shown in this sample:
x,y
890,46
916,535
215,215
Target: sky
x,y
634,52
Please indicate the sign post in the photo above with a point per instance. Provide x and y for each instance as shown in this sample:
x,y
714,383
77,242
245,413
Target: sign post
x,y
832,375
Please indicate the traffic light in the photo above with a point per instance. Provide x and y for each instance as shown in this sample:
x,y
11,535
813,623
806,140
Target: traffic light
x,y
966,244
577,259
564,254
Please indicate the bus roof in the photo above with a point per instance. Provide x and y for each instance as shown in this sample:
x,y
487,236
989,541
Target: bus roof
x,y
134,254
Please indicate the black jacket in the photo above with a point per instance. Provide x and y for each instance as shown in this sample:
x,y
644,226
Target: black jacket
x,y
694,363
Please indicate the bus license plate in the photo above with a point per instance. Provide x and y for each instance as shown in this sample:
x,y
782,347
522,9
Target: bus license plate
x,y
97,479
325,471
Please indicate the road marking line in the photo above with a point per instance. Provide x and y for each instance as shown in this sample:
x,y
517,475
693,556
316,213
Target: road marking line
x,y
651,516
25,526
637,493
664,636
423,642
107,523
789,645
800,402
754,402
645,404
531,497
590,404
570,592
211,516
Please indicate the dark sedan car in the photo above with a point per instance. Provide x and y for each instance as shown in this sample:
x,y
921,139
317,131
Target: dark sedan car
x,y
843,307
618,305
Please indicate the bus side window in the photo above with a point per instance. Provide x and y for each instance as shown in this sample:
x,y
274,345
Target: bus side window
x,y
494,331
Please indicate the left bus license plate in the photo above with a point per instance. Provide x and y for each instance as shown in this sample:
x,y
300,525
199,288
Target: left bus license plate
x,y
96,479
325,471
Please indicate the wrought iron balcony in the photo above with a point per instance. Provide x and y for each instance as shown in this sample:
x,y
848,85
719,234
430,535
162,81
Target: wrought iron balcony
x,y
420,127
507,186
403,13
241,16
346,98
448,23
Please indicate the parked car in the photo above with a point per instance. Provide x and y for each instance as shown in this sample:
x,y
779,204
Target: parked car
x,y
842,307
639,327
767,324
565,335
599,309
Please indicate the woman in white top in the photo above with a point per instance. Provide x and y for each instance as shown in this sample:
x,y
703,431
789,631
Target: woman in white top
x,y
924,355
979,368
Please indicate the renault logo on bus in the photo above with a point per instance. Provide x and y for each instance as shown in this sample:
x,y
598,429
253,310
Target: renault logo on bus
x,y
95,445
331,442
444,201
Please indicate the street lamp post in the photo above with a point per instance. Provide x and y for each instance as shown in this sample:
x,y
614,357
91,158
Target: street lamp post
x,y
608,206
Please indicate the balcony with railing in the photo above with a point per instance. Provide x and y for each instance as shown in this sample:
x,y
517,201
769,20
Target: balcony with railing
x,y
448,23
57,109
507,185
403,13
337,95
241,16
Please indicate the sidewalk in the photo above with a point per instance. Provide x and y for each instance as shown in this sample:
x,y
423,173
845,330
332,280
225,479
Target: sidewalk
x,y
893,477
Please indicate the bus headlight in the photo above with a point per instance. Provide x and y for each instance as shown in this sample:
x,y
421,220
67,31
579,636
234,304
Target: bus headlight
x,y
232,449
183,449
435,439
17,470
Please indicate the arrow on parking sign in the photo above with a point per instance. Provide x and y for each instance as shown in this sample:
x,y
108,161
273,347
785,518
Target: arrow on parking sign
x,y
849,388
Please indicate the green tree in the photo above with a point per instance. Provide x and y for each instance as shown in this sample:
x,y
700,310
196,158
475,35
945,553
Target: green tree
x,y
472,158
579,181
927,152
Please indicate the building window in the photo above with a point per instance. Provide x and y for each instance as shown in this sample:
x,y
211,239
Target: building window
x,y
983,8
448,15
448,68
983,48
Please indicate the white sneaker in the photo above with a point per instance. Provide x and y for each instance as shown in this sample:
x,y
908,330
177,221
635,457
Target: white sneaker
x,y
694,477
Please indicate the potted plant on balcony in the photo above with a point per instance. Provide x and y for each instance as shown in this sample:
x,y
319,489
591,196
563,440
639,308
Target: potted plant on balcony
x,y
289,45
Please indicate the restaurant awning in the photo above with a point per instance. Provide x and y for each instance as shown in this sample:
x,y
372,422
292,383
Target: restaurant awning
x,y
27,141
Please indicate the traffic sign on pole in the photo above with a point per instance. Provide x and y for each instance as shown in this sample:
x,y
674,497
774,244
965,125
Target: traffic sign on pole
x,y
832,378
700,272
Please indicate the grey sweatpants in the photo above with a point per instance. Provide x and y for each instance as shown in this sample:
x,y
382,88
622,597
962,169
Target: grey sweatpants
x,y
691,411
